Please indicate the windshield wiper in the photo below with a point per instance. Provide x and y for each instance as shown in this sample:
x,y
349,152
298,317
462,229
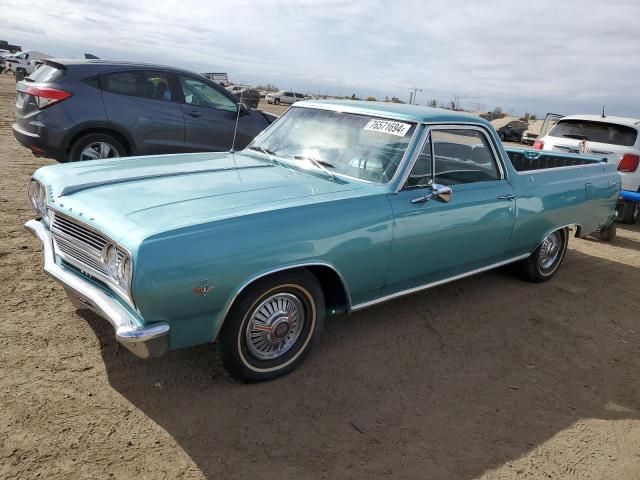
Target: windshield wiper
x,y
320,164
267,152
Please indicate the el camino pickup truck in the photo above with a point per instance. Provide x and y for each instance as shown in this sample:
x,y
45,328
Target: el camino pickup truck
x,y
336,207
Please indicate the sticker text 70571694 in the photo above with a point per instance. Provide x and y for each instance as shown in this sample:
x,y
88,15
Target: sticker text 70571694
x,y
399,129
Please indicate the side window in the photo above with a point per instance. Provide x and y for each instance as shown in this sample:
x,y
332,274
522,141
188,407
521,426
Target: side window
x,y
152,85
463,156
200,94
288,94
299,95
420,175
123,83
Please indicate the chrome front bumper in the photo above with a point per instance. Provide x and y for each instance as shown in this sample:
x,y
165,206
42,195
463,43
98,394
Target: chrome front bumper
x,y
144,341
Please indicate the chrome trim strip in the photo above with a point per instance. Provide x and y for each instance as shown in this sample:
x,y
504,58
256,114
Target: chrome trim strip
x,y
568,167
142,340
409,291
276,270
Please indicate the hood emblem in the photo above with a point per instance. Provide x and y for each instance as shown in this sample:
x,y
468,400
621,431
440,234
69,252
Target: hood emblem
x,y
203,289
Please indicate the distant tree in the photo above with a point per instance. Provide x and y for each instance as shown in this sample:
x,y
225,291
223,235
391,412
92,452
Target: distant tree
x,y
371,99
267,88
533,117
353,96
386,99
451,105
396,100
432,103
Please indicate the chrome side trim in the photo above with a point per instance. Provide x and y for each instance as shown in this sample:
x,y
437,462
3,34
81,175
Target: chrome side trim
x,y
276,270
567,167
409,291
143,341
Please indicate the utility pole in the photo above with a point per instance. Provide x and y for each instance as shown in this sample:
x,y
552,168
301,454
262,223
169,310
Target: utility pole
x,y
412,98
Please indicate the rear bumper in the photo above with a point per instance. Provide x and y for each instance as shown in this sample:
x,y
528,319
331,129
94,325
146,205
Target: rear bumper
x,y
36,143
144,341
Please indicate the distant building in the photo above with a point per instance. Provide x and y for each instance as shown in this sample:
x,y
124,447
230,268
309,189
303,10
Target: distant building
x,y
219,78
4,45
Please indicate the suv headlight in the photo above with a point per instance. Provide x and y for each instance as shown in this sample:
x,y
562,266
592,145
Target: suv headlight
x,y
38,197
117,265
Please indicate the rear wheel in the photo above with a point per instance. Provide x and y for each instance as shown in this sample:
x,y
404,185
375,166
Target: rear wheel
x,y
630,212
273,325
546,259
276,101
96,146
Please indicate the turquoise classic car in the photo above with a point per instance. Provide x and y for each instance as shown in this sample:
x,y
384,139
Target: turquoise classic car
x,y
336,207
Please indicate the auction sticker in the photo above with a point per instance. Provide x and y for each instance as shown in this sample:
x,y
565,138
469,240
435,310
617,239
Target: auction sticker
x,y
387,126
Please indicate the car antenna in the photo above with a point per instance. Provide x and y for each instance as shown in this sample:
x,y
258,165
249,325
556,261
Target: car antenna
x,y
235,129
603,115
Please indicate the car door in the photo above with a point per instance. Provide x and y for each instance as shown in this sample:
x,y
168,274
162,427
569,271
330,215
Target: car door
x,y
143,104
210,117
435,240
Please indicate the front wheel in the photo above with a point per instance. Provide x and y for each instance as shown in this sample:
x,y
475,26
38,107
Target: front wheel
x,y
272,326
276,101
546,259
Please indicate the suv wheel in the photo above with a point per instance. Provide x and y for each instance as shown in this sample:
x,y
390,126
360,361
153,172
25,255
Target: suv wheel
x,y
276,101
96,146
631,212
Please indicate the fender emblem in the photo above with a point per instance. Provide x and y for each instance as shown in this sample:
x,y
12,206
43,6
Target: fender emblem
x,y
204,289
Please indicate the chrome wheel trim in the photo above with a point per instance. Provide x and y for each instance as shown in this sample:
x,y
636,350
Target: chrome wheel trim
x,y
274,326
550,251
97,150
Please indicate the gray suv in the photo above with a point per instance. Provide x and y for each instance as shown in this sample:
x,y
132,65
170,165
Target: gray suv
x,y
86,109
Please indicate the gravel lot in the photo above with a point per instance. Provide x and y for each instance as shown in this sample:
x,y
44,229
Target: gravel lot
x,y
490,377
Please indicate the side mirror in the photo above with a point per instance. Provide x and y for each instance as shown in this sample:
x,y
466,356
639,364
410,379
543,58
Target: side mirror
x,y
440,192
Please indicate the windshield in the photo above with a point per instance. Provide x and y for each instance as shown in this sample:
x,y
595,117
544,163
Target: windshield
x,y
600,132
358,146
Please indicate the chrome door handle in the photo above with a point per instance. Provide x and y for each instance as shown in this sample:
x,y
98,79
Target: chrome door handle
x,y
509,197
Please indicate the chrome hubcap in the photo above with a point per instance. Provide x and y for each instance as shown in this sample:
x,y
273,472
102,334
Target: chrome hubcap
x,y
97,150
550,250
274,326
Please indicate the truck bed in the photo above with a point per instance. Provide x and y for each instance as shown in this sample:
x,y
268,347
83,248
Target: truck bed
x,y
525,160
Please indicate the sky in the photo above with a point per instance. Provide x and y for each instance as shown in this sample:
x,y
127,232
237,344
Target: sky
x,y
564,56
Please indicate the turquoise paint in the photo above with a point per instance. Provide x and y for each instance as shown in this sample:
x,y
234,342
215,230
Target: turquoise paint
x,y
229,218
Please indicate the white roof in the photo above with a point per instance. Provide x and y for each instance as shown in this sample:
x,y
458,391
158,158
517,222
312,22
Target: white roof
x,y
630,122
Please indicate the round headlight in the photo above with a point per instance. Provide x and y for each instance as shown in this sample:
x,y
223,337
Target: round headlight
x,y
110,260
38,197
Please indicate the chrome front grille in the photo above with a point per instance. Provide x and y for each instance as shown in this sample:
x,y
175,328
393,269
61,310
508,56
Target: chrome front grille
x,y
78,245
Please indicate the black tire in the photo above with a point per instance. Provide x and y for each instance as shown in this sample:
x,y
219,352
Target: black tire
x,y
502,136
608,233
276,101
630,213
533,268
237,341
91,138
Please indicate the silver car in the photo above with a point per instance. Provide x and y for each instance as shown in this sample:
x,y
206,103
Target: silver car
x,y
285,97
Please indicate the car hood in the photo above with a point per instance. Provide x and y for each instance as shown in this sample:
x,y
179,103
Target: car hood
x,y
130,199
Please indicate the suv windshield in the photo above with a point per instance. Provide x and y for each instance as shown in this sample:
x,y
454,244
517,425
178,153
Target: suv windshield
x,y
600,132
357,146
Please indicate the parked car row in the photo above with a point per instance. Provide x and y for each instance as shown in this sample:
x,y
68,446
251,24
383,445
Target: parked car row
x,y
74,110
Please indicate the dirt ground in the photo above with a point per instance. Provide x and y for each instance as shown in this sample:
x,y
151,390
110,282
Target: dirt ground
x,y
487,378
